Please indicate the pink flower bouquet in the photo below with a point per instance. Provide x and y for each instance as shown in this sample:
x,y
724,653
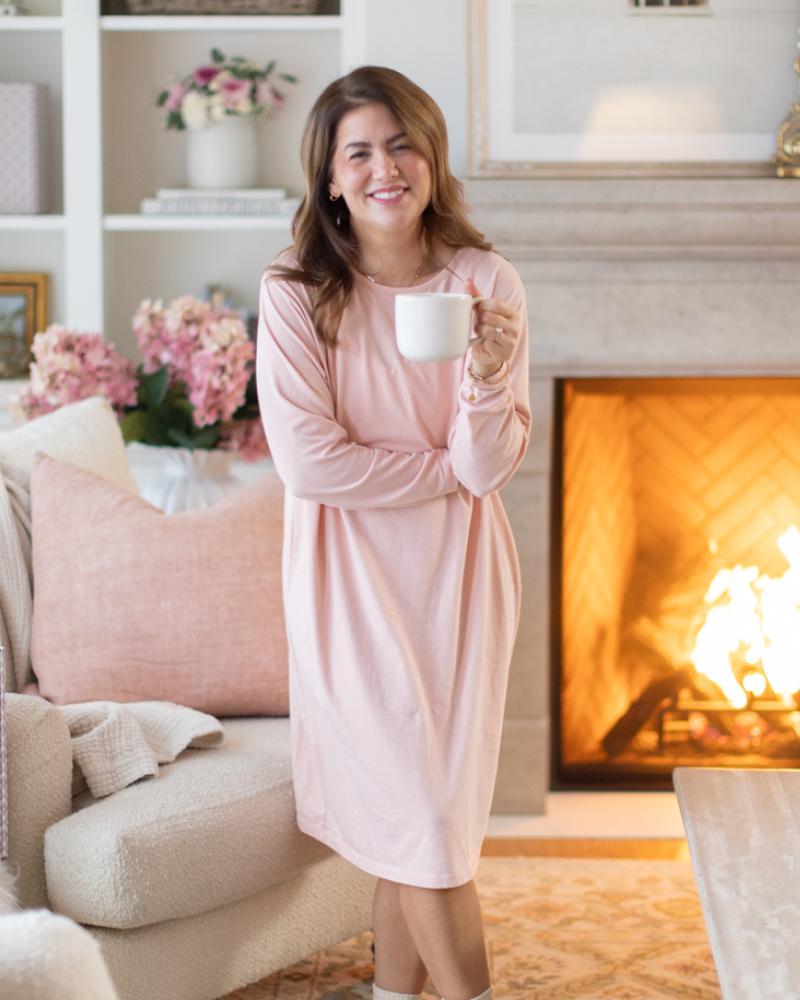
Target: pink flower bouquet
x,y
69,366
197,386
238,87
194,389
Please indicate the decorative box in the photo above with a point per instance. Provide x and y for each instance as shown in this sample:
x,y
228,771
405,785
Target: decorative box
x,y
22,143
223,6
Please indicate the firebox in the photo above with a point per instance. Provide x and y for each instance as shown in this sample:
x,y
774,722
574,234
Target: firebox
x,y
676,578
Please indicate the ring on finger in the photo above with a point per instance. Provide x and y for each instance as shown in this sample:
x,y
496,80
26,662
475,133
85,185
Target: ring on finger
x,y
498,330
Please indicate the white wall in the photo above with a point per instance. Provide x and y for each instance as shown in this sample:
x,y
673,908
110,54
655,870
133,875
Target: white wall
x,y
427,40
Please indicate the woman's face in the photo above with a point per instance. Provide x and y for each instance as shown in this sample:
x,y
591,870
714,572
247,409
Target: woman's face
x,y
385,183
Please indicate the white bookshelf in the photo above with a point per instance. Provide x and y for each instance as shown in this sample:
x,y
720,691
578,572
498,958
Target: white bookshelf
x,y
112,151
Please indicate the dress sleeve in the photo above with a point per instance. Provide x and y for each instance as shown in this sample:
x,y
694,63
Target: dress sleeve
x,y
490,433
312,452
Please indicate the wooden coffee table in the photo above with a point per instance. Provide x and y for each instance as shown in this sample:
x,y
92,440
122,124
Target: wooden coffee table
x,y
743,829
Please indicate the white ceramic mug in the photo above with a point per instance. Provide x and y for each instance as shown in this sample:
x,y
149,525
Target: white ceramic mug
x,y
434,326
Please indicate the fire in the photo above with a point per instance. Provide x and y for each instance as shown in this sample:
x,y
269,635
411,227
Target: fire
x,y
761,614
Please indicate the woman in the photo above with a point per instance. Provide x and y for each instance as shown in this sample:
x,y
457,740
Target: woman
x,y
401,582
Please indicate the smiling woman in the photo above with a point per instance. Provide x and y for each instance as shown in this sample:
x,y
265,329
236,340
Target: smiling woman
x,y
401,579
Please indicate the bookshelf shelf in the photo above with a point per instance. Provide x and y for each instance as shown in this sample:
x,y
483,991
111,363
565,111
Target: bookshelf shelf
x,y
32,223
31,23
194,223
221,23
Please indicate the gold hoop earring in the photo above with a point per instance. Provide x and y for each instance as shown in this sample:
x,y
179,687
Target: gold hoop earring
x,y
332,197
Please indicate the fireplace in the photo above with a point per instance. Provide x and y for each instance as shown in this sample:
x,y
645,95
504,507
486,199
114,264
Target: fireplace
x,y
675,578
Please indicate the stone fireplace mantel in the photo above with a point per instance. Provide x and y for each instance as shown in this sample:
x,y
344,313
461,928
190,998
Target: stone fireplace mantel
x,y
627,277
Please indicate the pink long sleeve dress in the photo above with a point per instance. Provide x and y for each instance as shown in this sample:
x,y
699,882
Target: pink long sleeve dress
x,y
401,581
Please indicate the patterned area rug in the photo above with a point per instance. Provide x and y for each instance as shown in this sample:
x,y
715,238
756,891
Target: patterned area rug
x,y
556,929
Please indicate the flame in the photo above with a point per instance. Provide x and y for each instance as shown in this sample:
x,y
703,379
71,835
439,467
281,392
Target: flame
x,y
763,615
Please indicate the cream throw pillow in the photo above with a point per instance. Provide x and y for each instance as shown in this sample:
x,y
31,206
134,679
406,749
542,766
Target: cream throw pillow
x,y
131,604
84,433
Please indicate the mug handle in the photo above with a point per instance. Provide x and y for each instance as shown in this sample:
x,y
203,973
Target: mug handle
x,y
475,301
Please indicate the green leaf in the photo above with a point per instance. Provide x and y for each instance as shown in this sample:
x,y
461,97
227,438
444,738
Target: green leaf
x,y
156,431
183,406
217,56
288,77
133,426
270,67
175,120
162,98
206,438
156,385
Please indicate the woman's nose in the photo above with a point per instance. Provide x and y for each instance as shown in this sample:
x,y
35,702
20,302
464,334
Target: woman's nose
x,y
384,165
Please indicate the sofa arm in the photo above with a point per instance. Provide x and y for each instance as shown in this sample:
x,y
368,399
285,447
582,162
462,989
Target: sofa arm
x,y
39,788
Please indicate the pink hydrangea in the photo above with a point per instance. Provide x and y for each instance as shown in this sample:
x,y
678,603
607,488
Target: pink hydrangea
x,y
69,366
208,351
248,438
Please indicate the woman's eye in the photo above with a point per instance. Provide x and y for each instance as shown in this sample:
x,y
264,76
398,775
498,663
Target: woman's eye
x,y
404,147
358,156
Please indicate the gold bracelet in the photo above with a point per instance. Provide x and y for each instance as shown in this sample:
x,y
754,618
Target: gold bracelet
x,y
489,379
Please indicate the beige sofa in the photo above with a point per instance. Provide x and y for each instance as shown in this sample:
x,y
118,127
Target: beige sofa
x,y
195,883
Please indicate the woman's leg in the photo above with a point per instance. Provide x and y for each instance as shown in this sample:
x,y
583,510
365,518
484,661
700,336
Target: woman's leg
x,y
398,967
446,927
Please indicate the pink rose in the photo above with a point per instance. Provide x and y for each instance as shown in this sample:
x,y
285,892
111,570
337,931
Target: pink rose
x,y
268,97
176,94
234,91
203,75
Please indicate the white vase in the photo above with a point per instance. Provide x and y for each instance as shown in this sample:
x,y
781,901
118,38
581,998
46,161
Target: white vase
x,y
191,479
223,155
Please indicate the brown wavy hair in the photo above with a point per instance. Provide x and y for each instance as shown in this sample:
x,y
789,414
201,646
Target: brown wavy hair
x,y
324,244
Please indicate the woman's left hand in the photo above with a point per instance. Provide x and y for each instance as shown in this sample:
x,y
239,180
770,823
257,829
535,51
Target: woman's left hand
x,y
497,325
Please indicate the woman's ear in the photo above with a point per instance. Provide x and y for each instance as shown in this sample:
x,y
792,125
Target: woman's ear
x,y
333,191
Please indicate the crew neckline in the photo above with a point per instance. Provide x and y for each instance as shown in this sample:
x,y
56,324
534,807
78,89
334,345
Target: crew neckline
x,y
411,289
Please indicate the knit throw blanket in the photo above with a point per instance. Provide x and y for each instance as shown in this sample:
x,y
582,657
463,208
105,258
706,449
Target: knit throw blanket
x,y
114,745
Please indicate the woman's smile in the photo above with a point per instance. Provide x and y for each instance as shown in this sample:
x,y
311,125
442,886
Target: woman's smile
x,y
388,195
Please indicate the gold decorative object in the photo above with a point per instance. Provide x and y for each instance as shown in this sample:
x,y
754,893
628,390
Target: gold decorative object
x,y
23,312
787,159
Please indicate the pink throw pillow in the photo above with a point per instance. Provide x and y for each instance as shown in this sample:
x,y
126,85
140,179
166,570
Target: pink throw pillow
x,y
131,604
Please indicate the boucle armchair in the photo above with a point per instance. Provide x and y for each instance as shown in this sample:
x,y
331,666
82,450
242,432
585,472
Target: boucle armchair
x,y
195,883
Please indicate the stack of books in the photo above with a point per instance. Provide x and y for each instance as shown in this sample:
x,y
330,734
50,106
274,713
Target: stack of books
x,y
196,201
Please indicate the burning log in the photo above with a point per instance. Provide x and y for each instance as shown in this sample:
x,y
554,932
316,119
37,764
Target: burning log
x,y
631,722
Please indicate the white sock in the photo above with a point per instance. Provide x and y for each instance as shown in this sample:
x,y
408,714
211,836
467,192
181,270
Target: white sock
x,y
379,994
486,995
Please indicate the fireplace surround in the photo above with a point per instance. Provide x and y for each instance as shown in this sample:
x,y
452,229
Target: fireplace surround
x,y
626,278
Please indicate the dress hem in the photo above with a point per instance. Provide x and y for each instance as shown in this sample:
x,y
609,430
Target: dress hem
x,y
391,872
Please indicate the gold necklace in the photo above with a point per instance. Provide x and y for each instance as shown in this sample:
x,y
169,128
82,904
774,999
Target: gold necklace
x,y
419,270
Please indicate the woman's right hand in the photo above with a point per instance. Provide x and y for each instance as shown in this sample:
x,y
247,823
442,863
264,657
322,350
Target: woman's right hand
x,y
498,327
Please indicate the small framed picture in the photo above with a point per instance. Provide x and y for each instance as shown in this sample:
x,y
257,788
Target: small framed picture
x,y
23,312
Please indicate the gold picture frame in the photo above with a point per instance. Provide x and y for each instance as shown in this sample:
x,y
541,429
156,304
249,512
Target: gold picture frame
x,y
24,309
